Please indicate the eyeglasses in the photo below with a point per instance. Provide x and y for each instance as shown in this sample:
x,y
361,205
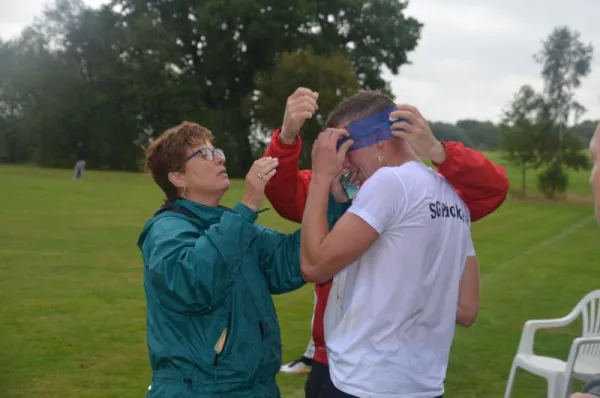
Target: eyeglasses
x,y
207,153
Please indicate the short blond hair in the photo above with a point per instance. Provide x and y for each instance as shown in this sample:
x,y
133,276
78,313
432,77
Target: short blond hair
x,y
362,104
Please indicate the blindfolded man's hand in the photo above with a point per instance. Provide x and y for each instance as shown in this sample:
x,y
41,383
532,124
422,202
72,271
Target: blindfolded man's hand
x,y
327,160
337,190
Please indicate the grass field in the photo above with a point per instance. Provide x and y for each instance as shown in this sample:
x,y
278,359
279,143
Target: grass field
x,y
72,320
579,182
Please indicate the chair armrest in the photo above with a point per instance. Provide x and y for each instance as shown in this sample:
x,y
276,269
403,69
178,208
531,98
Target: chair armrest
x,y
530,327
552,323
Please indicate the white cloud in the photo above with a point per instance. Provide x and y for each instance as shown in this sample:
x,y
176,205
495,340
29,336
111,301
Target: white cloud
x,y
17,14
472,57
475,54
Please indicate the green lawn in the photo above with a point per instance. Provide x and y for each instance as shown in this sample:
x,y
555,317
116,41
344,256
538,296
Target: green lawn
x,y
579,182
72,318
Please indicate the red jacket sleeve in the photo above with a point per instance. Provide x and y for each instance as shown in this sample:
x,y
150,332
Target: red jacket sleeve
x,y
288,189
482,184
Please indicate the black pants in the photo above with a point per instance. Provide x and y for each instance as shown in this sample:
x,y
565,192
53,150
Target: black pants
x,y
318,379
319,384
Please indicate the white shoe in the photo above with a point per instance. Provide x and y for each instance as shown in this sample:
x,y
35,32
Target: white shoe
x,y
299,366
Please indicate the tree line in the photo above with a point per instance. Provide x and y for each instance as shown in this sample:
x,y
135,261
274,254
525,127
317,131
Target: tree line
x,y
487,136
115,77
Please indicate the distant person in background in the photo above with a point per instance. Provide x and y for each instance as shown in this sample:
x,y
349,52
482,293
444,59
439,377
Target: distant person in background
x,y
80,165
592,389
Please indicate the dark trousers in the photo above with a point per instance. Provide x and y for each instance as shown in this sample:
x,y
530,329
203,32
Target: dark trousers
x,y
319,384
317,380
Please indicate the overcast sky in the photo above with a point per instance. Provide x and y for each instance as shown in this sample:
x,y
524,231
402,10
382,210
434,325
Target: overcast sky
x,y
472,57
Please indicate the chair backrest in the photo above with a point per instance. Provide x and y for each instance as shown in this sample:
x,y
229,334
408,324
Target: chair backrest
x,y
589,307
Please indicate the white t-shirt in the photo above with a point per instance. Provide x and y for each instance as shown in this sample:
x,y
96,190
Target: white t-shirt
x,y
391,314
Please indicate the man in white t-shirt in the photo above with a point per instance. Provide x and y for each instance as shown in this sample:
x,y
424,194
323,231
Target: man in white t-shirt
x,y
402,256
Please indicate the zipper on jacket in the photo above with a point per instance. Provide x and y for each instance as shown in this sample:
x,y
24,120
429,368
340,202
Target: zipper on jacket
x,y
226,333
262,330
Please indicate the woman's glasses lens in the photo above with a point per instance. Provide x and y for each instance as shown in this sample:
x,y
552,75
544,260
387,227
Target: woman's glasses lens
x,y
208,154
219,152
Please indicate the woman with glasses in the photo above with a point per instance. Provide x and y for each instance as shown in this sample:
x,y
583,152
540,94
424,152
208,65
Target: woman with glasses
x,y
209,273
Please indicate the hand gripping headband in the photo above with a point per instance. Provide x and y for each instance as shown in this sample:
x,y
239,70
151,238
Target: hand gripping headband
x,y
369,130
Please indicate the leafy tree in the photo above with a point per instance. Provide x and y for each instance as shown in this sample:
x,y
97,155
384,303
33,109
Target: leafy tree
x,y
520,130
331,74
214,49
67,84
117,76
565,61
585,130
20,62
483,135
107,122
536,128
553,179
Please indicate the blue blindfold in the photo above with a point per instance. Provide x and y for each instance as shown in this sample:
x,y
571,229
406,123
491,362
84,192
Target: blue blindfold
x,y
369,130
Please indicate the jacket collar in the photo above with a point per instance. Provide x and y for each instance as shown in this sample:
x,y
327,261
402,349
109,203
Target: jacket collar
x,y
208,214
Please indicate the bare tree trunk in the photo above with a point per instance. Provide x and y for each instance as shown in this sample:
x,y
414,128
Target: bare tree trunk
x,y
523,176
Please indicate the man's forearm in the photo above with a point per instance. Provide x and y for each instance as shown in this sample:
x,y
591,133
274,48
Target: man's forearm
x,y
314,223
465,317
468,293
288,189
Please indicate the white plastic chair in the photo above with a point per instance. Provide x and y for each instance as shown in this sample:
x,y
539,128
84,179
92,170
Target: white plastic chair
x,y
584,357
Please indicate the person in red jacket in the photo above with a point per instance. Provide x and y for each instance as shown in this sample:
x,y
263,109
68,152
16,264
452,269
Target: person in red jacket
x,y
482,184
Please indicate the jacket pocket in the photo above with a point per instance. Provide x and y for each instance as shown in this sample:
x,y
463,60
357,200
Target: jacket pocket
x,y
221,343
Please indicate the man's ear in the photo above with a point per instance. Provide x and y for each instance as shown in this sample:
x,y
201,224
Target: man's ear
x,y
386,147
176,178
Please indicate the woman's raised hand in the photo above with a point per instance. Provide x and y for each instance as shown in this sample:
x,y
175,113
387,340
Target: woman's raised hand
x,y
257,178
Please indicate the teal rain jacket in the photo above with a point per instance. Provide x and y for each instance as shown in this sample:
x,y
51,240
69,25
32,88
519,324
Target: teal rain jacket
x,y
208,278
